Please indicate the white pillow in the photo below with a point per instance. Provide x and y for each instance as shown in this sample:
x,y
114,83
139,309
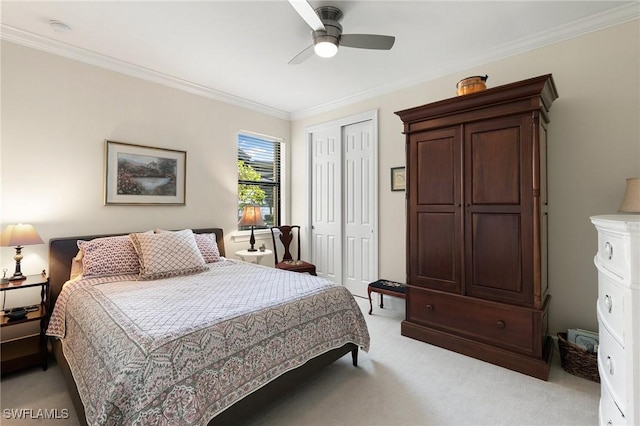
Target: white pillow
x,y
207,244
76,266
168,254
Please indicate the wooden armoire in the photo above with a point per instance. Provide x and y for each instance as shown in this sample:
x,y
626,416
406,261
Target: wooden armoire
x,y
477,224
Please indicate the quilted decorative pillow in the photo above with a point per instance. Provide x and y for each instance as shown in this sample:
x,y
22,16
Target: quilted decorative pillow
x,y
208,247
108,256
168,254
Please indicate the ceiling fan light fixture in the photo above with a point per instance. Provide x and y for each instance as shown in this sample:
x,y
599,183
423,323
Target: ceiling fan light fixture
x,y
325,49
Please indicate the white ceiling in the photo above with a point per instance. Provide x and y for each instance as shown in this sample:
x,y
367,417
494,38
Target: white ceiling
x,y
237,51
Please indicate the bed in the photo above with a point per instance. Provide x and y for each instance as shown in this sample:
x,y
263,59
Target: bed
x,y
206,346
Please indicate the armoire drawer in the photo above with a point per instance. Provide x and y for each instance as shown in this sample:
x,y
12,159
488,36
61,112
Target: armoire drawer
x,y
611,305
610,415
613,254
475,319
612,368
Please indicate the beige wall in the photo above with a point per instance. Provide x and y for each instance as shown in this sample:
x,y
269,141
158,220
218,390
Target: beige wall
x,y
594,145
56,114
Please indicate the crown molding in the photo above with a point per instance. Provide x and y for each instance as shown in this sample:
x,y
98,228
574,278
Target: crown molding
x,y
55,47
619,15
603,20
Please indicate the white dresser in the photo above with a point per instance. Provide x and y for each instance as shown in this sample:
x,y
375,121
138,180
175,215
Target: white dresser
x,y
618,307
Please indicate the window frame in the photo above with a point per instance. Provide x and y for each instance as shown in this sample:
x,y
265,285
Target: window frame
x,y
280,203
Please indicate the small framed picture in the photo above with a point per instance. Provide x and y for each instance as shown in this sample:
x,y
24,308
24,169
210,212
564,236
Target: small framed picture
x,y
143,175
398,179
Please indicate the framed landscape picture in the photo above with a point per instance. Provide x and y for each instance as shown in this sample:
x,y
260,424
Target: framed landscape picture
x,y
143,175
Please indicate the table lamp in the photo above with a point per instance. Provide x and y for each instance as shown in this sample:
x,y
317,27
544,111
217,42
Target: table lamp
x,y
17,236
251,216
631,200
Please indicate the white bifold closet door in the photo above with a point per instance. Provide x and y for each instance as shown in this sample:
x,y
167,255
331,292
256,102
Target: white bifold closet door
x,y
344,202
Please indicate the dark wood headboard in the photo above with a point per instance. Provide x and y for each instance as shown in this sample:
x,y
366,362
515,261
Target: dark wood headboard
x,y
62,251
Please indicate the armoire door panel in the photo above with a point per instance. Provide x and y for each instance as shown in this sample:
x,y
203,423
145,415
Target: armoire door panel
x,y
438,265
495,165
496,261
437,162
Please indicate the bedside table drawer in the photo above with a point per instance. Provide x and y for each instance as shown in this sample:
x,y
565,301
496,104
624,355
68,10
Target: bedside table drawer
x,y
612,368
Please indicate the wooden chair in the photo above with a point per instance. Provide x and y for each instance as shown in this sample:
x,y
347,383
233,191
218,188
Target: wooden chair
x,y
287,262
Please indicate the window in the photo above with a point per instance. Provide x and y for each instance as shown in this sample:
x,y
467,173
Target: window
x,y
259,177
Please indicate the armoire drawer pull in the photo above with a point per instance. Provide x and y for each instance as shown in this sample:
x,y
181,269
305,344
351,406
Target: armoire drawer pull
x,y
608,250
610,365
501,324
429,307
608,303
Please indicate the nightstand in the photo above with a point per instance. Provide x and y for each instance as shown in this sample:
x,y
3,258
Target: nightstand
x,y
26,351
253,256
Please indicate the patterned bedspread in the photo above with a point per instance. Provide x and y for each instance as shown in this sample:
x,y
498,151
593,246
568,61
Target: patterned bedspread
x,y
181,350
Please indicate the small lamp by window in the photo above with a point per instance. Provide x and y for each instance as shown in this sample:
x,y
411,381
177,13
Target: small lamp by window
x,y
251,216
631,200
17,236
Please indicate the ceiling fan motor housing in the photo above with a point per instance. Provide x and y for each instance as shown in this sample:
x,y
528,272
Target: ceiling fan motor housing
x,y
333,30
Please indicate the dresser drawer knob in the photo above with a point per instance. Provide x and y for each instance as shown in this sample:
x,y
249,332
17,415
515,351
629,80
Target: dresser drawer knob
x,y
501,324
610,365
608,250
430,308
608,303
609,423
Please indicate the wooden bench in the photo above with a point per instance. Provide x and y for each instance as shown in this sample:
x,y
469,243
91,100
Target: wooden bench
x,y
390,288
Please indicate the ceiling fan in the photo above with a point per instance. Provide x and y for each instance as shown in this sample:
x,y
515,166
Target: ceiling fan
x,y
327,33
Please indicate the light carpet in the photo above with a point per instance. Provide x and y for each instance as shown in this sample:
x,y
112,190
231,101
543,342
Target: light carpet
x,y
400,381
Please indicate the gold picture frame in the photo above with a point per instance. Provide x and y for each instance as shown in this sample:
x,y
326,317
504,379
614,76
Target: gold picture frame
x,y
144,175
398,179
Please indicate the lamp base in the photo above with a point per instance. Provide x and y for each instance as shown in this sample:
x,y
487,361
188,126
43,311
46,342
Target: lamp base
x,y
17,277
252,249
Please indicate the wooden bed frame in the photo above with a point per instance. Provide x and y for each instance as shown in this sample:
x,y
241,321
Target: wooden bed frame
x,y
62,251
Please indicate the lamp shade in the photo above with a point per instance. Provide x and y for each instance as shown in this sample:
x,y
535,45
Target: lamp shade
x,y
631,200
20,235
251,216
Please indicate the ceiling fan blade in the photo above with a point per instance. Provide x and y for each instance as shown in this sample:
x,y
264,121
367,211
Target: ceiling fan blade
x,y
302,56
307,13
367,41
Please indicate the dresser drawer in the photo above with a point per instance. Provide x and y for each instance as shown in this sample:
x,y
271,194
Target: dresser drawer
x,y
500,325
613,254
609,412
611,305
612,368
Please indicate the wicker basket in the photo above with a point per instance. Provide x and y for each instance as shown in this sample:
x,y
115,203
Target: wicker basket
x,y
577,360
